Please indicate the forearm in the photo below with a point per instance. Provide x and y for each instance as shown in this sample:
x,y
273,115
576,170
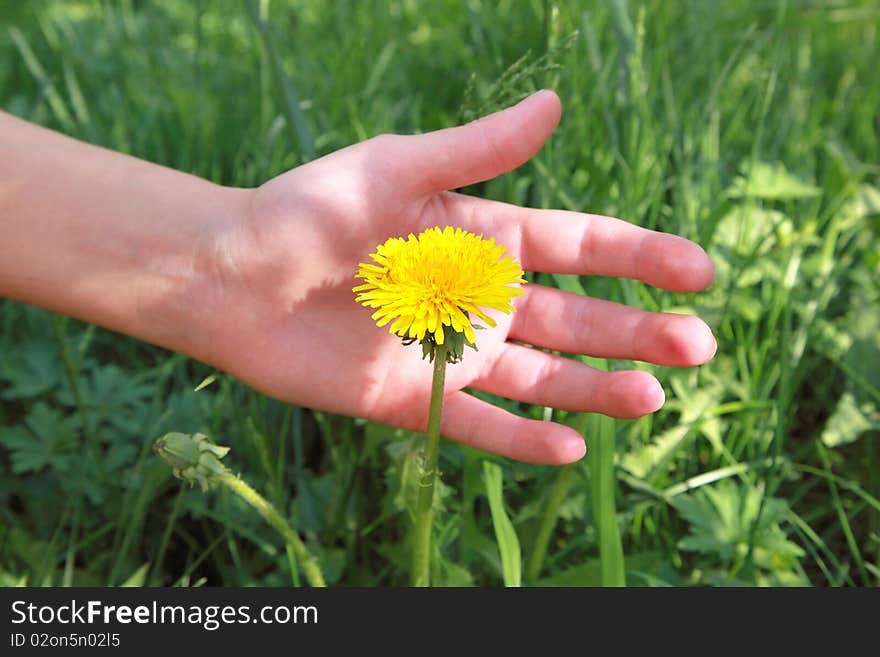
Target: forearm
x,y
108,238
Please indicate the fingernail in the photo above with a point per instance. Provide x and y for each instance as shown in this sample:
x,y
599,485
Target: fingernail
x,y
575,450
656,397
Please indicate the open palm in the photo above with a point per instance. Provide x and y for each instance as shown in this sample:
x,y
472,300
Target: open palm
x,y
290,326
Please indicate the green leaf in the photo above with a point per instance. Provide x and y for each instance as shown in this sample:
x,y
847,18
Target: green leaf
x,y
648,460
137,578
31,370
589,573
47,438
27,455
569,283
208,380
722,518
849,421
452,574
771,182
115,397
505,534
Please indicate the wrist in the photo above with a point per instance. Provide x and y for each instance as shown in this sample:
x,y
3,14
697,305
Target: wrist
x,y
185,309
113,240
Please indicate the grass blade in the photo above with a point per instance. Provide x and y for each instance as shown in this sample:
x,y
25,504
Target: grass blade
x,y
602,484
548,522
296,118
508,543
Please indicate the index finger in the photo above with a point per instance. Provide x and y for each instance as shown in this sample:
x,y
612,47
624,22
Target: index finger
x,y
565,242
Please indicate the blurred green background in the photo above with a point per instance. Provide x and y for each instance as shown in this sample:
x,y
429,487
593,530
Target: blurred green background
x,y
750,127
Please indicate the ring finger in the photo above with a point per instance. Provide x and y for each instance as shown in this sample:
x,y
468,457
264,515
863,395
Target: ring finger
x,y
554,319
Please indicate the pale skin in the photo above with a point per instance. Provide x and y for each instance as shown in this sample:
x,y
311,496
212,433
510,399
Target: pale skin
x,y
258,282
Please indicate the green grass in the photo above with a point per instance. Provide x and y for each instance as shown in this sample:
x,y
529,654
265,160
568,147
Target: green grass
x,y
750,127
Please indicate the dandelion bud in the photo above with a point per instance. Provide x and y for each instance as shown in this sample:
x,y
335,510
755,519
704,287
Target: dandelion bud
x,y
192,457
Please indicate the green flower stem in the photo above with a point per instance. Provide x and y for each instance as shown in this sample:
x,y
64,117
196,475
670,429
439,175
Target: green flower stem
x,y
271,515
424,516
196,458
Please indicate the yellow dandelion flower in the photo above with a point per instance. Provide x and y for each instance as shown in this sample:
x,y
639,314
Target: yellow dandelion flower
x,y
438,279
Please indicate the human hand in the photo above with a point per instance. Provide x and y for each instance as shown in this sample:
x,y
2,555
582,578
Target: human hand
x,y
285,319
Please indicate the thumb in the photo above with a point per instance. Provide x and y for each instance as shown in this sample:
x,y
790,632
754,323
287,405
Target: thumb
x,y
479,150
